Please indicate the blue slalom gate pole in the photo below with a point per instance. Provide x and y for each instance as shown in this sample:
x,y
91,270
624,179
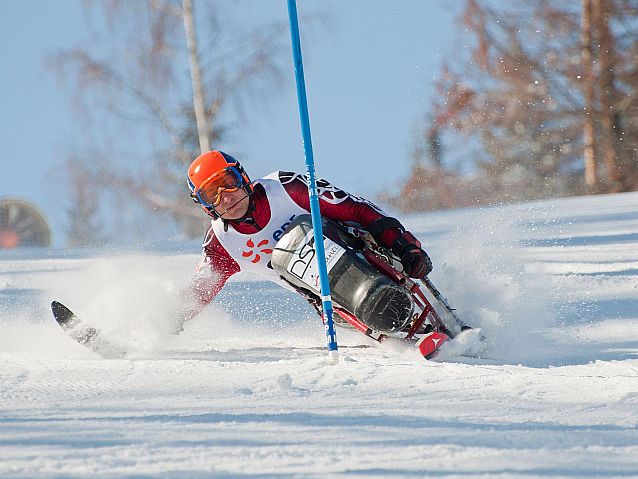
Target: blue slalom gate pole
x,y
320,254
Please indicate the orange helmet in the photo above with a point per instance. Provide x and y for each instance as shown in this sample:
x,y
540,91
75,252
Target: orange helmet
x,y
212,173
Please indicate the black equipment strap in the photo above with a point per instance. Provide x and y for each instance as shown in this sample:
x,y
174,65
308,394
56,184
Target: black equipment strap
x,y
377,227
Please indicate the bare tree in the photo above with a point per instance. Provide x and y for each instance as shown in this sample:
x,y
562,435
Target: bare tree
x,y
196,76
608,93
84,228
589,92
548,92
132,80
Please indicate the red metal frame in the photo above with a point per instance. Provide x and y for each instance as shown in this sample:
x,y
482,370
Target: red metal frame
x,y
417,294
384,267
429,343
354,321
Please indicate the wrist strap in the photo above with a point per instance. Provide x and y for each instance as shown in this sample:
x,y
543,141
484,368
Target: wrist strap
x,y
378,226
400,245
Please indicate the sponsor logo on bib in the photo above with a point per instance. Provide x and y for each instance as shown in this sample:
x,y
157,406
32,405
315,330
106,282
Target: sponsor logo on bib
x,y
256,252
282,229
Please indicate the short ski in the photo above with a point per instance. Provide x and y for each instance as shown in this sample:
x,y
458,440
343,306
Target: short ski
x,y
469,343
84,334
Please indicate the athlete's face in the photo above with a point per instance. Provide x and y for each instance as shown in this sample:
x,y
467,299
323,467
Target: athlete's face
x,y
233,204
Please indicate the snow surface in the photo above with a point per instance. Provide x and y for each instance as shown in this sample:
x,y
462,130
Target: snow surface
x,y
245,393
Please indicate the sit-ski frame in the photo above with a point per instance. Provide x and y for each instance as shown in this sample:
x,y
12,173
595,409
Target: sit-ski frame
x,y
385,264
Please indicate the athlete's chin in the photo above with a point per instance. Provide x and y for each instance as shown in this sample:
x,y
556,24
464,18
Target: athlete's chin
x,y
234,213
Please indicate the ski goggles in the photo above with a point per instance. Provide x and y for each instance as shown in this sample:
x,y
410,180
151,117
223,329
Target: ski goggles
x,y
209,192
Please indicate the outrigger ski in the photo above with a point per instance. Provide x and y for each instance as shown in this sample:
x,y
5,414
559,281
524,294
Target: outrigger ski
x,y
85,334
459,338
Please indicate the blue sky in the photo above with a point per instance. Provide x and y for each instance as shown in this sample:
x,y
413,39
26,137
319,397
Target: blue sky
x,y
370,79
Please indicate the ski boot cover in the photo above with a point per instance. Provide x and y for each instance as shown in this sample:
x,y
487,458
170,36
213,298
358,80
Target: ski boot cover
x,y
355,286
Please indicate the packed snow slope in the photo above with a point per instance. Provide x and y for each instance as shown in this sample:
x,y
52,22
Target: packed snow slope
x,y
244,391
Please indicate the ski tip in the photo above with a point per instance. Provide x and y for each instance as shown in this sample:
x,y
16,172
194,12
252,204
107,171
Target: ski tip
x,y
61,313
430,343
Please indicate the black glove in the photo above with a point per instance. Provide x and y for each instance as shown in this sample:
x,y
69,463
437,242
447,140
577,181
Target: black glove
x,y
416,262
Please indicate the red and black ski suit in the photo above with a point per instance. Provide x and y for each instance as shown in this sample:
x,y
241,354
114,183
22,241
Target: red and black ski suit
x,y
217,264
